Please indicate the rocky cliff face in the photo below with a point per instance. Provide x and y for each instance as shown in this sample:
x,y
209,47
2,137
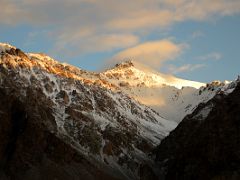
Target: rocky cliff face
x,y
206,144
30,146
58,121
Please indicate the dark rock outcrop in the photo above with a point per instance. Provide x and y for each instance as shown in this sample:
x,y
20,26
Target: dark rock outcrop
x,y
206,144
17,52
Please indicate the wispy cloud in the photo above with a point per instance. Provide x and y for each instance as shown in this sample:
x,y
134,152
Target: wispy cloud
x,y
151,53
211,56
185,68
108,23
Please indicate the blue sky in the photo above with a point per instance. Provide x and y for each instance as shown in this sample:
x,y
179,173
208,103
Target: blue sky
x,y
197,40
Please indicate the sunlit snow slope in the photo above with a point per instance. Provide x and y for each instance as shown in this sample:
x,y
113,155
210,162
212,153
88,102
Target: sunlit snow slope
x,y
173,98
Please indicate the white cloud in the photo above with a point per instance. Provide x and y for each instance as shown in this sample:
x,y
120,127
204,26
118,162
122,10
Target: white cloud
x,y
94,43
184,68
151,13
211,56
93,22
151,53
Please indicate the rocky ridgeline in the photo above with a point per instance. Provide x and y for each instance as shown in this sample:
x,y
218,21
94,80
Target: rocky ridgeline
x,y
61,122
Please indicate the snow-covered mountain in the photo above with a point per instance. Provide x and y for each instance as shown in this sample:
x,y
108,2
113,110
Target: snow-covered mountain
x,y
110,129
173,98
111,119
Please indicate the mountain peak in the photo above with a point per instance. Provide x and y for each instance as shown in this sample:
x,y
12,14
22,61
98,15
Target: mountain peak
x,y
135,68
135,73
125,64
6,47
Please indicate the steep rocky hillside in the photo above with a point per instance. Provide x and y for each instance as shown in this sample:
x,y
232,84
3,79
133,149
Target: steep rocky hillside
x,y
206,144
30,146
56,115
